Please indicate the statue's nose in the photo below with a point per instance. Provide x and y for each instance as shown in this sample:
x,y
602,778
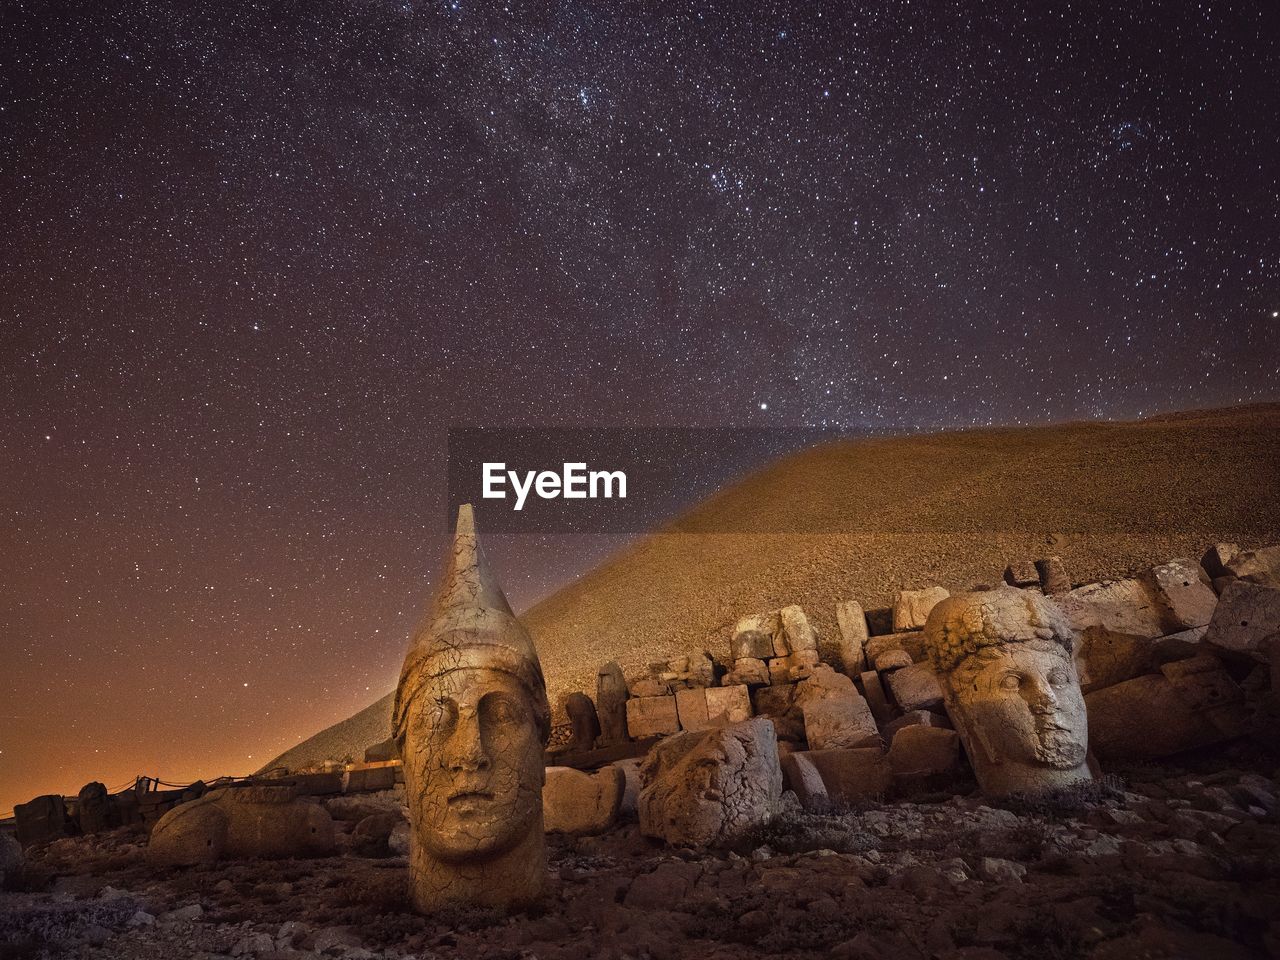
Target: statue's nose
x,y
466,748
1040,695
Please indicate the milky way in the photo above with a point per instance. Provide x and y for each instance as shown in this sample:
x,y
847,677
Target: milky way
x,y
257,258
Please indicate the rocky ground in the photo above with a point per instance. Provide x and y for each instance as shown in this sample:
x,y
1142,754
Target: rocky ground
x,y
1170,861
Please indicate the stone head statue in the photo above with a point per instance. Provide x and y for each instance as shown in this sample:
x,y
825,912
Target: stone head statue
x,y
471,718
1004,659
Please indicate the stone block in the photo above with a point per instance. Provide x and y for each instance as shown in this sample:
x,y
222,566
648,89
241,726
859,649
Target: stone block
x,y
691,708
652,716
649,687
1145,719
849,775
893,659
750,671
1247,615
728,704
778,703
1125,607
1022,573
779,670
41,819
873,690
853,636
753,637
916,687
1184,590
927,718
611,704
799,634
1106,657
912,607
835,722
912,641
924,751
581,804
802,778
1257,566
366,778
1053,575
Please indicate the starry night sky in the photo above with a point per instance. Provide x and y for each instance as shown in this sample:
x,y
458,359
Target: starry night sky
x,y
257,258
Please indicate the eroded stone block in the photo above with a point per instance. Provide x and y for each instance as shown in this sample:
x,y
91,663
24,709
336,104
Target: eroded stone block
x,y
652,716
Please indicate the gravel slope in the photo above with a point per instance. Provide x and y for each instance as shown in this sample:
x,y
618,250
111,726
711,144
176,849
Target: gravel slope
x,y
950,508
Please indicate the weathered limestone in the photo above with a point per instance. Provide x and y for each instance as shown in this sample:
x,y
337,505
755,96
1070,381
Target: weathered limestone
x,y
1022,573
728,705
1247,616
93,808
691,709
1185,594
472,718
873,690
1189,704
912,641
709,787
748,671
1004,659
911,610
802,778
1053,575
845,721
852,623
1105,657
652,716
850,775
916,687
893,659
753,637
611,704
1260,566
1119,606
926,718
241,824
43,818
583,721
581,803
924,751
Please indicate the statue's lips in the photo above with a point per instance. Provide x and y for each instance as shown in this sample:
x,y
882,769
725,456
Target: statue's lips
x,y
467,801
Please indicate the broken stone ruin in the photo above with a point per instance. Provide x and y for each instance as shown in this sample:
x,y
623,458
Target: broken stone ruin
x,y
1040,769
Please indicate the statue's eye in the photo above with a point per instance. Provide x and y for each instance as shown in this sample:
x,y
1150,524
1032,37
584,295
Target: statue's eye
x,y
437,713
1010,681
1059,678
501,709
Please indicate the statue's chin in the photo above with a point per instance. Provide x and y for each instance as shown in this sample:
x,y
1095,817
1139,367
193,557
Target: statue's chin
x,y
459,847
1061,751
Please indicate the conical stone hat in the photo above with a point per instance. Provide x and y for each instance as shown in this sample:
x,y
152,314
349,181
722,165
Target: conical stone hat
x,y
470,625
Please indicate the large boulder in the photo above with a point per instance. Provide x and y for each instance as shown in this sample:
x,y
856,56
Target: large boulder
x,y
240,824
1189,704
916,687
41,819
710,787
581,803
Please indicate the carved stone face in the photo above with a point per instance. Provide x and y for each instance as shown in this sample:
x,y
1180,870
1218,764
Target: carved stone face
x,y
1023,702
473,763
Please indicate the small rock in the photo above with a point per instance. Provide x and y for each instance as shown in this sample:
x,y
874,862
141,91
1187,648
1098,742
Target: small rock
x,y
995,870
